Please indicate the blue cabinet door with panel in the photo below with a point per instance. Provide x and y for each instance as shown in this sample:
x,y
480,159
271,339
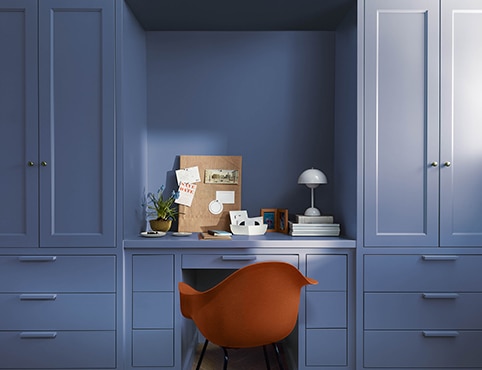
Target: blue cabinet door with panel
x,y
422,181
401,123
58,126
461,129
18,123
76,112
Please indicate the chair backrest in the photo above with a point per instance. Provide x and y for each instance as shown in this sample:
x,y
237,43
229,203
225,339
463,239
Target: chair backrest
x,y
254,306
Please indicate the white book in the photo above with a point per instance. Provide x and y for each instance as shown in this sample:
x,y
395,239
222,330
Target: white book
x,y
295,226
314,233
302,219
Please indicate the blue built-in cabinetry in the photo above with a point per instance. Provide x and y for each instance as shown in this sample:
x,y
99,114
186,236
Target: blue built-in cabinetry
x,y
58,312
419,256
59,302
422,120
159,337
57,137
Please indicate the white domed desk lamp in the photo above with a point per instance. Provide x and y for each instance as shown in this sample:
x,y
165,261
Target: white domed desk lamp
x,y
312,178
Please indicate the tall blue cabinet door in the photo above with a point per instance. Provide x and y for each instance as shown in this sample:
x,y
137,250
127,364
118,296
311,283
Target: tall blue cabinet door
x,y
77,129
401,123
461,123
18,124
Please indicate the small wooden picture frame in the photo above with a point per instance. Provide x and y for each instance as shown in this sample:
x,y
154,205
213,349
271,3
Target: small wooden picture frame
x,y
270,217
282,221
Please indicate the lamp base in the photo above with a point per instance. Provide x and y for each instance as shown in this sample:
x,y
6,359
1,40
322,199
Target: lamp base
x,y
312,211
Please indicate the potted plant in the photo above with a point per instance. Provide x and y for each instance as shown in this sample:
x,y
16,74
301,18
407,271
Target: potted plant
x,y
162,210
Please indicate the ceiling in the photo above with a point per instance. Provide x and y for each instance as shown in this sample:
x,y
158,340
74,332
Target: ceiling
x,y
240,15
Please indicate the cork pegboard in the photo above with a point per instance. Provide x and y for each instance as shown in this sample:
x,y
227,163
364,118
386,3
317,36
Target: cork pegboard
x,y
197,217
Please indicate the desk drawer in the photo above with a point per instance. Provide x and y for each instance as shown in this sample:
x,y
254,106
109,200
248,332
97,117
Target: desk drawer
x,y
326,309
57,311
57,349
414,349
326,347
423,310
56,274
232,261
435,273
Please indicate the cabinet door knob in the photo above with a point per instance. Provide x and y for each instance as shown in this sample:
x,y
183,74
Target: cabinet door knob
x,y
30,164
447,164
43,163
434,164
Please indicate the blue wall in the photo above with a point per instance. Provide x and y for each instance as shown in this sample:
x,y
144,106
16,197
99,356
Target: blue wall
x,y
267,96
131,116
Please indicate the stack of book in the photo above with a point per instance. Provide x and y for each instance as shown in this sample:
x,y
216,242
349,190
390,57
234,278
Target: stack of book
x,y
314,226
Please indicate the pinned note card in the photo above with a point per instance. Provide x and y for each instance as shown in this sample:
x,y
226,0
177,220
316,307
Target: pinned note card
x,y
188,175
186,193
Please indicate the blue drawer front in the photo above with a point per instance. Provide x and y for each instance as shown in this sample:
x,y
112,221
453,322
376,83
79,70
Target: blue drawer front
x,y
57,311
423,311
435,273
329,270
434,349
57,349
326,347
152,272
152,348
57,274
326,310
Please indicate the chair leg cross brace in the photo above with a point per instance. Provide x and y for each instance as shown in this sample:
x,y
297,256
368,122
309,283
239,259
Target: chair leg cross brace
x,y
226,356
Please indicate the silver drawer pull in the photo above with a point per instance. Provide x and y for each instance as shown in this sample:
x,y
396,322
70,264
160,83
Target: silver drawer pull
x,y
238,258
38,334
37,258
440,295
439,258
440,333
38,297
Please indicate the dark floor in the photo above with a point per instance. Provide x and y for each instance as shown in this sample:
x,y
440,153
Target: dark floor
x,y
239,359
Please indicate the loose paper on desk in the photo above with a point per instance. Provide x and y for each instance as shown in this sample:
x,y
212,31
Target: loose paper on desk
x,y
186,193
188,175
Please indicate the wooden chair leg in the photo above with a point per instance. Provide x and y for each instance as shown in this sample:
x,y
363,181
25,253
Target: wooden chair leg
x,y
202,354
266,358
278,356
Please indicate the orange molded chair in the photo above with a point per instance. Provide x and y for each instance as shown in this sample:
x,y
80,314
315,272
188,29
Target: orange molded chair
x,y
255,306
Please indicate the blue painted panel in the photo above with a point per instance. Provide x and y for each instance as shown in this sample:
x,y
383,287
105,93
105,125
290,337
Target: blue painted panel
x,y
132,118
413,349
152,273
423,311
461,117
329,270
326,347
326,310
152,348
417,273
76,65
152,310
56,274
401,123
67,349
267,96
52,311
18,124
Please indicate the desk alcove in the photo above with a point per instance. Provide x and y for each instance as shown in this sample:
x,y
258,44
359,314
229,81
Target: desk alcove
x,y
159,337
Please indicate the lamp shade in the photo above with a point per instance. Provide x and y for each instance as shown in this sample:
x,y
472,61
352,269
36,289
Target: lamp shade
x,y
312,177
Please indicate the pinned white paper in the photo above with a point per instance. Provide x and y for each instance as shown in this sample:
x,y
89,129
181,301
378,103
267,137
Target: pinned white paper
x,y
225,197
188,175
186,193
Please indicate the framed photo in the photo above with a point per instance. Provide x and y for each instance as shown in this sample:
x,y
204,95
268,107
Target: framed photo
x,y
282,221
270,217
